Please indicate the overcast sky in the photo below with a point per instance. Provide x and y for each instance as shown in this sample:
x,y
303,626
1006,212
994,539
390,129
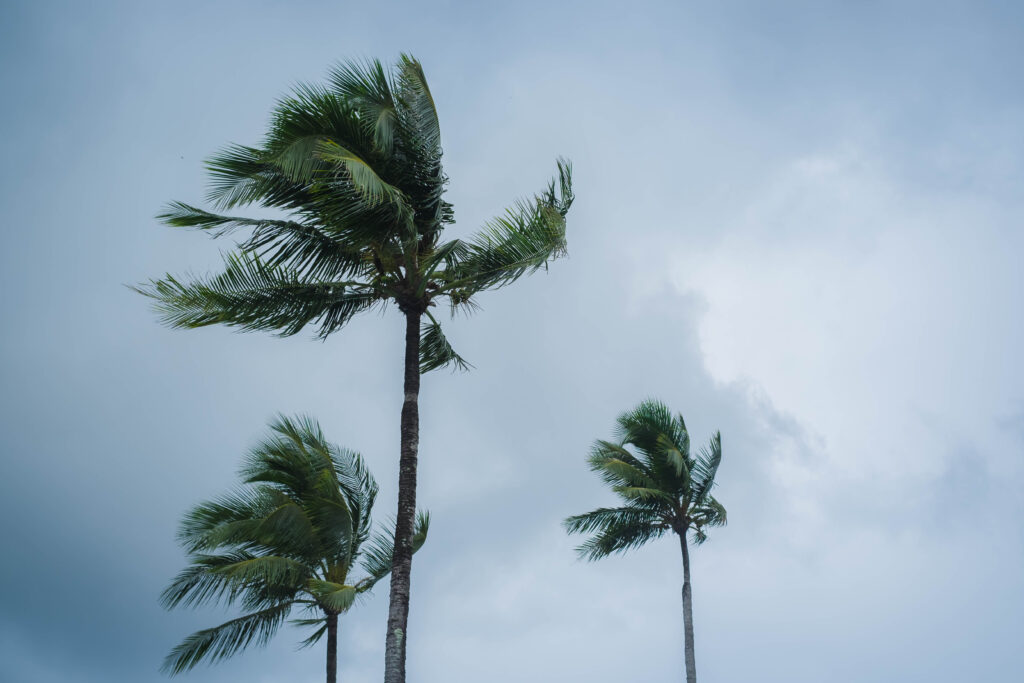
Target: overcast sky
x,y
798,223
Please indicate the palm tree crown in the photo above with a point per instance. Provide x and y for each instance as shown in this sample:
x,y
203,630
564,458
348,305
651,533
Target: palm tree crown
x,y
662,485
290,538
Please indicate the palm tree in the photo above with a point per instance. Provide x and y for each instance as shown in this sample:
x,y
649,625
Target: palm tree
x,y
663,488
289,538
355,169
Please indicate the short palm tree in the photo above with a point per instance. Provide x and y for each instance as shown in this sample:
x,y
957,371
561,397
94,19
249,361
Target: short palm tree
x,y
290,538
663,488
354,170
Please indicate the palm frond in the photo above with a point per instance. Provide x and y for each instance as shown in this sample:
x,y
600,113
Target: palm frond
x,y
222,641
708,460
266,569
710,513
230,519
253,295
333,597
436,352
201,582
241,175
522,241
367,86
313,639
614,531
415,94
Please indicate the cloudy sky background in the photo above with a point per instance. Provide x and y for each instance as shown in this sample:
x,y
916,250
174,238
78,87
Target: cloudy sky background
x,y
799,224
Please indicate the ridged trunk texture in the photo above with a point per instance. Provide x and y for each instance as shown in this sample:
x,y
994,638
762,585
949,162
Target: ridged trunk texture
x,y
332,648
691,664
398,612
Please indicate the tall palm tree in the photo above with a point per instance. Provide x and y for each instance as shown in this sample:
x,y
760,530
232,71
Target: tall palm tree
x,y
354,167
289,538
663,488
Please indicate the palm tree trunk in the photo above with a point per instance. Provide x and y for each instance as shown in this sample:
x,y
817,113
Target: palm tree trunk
x,y
691,664
398,612
332,648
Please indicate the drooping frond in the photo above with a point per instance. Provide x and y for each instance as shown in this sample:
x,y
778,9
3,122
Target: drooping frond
x,y
253,295
213,644
314,638
436,352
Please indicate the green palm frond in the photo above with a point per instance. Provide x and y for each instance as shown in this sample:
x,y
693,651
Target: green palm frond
x,y
334,597
415,94
706,468
315,637
367,87
253,295
710,513
522,241
436,352
618,467
617,537
241,175
230,519
644,494
202,582
603,519
214,644
296,246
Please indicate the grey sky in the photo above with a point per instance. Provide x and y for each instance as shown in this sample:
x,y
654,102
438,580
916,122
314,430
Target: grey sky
x,y
797,223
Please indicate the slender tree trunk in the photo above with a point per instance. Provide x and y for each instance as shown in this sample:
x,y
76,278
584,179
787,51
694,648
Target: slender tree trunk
x,y
691,664
398,612
332,648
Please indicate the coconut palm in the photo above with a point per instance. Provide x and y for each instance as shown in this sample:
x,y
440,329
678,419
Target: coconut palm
x,y
290,538
353,171
663,488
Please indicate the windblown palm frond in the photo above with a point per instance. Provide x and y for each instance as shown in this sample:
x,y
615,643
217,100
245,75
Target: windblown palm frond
x,y
287,538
